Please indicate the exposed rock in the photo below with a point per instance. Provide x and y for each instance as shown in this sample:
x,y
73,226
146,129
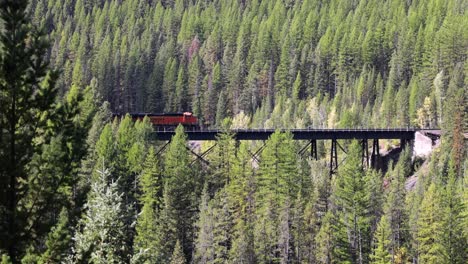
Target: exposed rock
x,y
423,145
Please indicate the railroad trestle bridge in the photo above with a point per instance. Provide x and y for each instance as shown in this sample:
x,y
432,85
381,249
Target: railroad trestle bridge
x,y
405,135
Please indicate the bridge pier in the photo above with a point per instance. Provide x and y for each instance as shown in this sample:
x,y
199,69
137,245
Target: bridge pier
x,y
375,153
365,153
333,157
313,149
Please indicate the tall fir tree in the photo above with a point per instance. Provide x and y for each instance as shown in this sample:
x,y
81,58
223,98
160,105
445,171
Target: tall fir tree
x,y
182,188
382,241
101,237
151,195
430,227
27,101
351,199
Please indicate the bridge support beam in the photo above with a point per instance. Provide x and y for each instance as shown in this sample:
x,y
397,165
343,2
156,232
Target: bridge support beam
x,y
198,157
333,157
313,149
161,150
256,154
375,153
365,153
201,157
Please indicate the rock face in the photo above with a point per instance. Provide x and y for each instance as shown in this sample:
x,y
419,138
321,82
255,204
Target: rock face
x,y
423,146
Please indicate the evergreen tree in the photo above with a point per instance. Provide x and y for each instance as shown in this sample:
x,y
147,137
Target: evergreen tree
x,y
241,190
325,240
204,247
394,206
430,228
181,188
27,101
351,199
166,229
222,227
382,240
101,238
146,228
59,241
455,242
178,255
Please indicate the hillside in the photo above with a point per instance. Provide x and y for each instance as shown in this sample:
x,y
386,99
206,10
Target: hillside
x,y
83,181
349,63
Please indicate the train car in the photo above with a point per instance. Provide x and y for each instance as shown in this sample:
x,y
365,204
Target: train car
x,y
168,121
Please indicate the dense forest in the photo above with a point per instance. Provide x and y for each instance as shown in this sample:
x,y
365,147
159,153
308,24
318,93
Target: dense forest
x,y
78,185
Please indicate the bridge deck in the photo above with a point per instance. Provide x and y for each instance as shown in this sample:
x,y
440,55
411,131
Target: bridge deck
x,y
298,134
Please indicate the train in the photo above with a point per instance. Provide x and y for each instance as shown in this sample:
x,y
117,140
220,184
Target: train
x,y
168,121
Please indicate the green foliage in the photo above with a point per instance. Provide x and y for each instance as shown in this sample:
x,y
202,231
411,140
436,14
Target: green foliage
x,y
6,259
394,206
178,255
382,240
430,228
151,189
27,105
166,228
455,242
265,64
172,56
204,247
181,188
101,237
59,241
352,201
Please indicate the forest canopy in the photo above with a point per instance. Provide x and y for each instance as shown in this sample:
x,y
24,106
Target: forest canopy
x,y
81,181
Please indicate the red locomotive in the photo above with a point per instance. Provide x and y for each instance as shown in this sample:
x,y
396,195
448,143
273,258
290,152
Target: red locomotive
x,y
168,120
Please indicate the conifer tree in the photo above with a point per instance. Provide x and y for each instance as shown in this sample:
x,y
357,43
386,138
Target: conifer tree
x,y
382,241
27,101
325,240
58,241
455,241
351,199
178,255
394,206
181,188
222,160
222,227
204,244
101,237
431,228
241,189
151,189
166,229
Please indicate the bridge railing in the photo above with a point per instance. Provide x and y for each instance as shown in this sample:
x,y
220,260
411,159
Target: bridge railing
x,y
194,130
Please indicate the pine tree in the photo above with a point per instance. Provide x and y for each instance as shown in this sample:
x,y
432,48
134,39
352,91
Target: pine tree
x,y
27,99
351,198
241,189
178,255
394,206
204,245
181,187
455,242
222,227
151,189
101,238
325,240
58,241
222,159
382,241
166,229
431,228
